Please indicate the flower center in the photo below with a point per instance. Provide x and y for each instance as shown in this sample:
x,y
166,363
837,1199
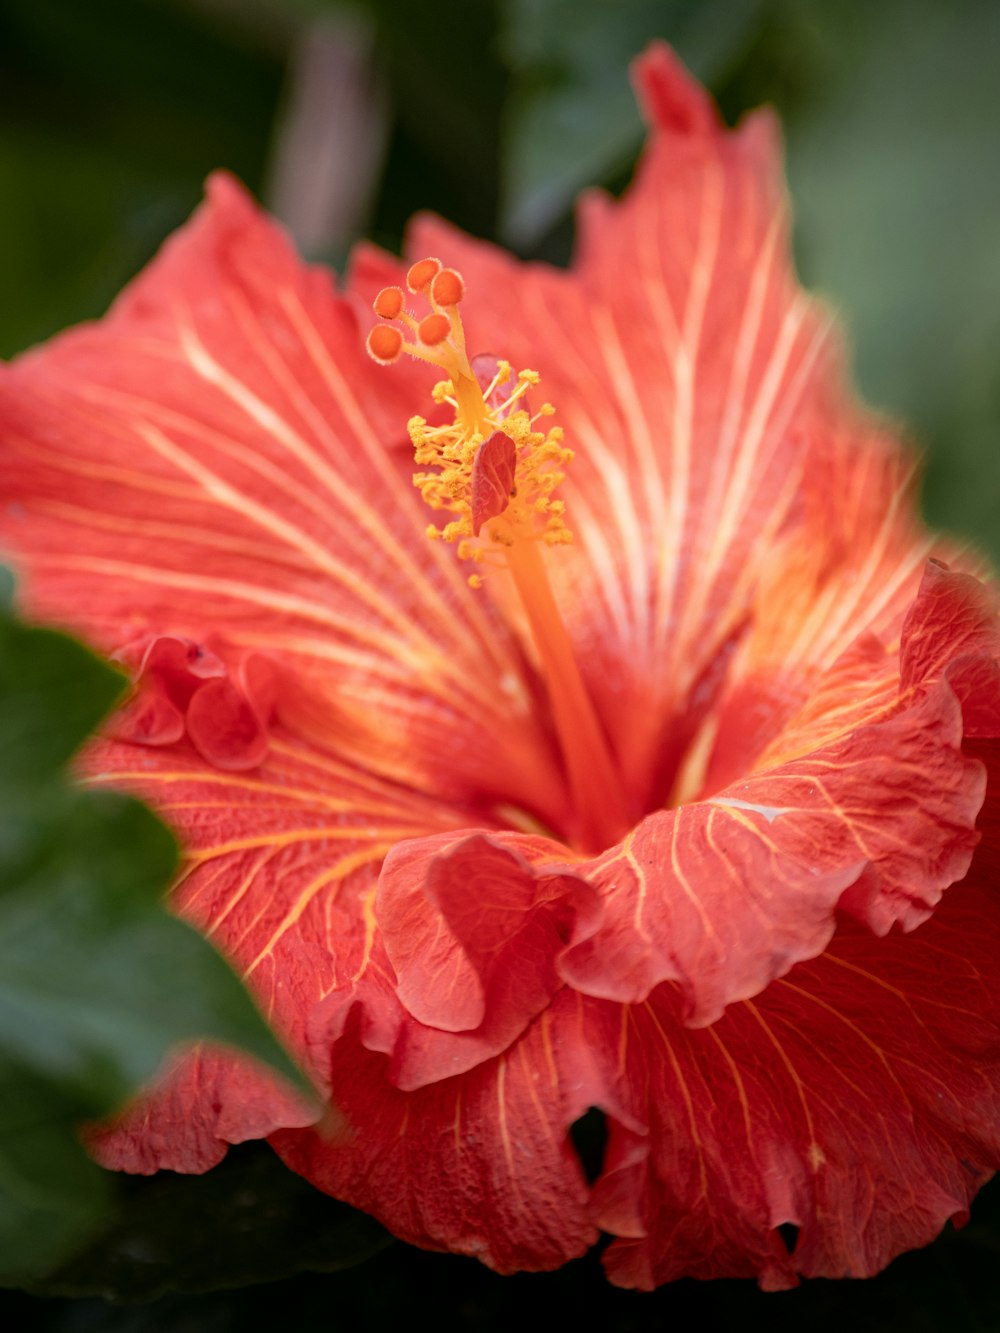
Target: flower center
x,y
494,474
490,469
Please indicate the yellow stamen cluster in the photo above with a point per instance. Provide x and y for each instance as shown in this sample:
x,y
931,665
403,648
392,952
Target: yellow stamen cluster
x,y
451,450
449,455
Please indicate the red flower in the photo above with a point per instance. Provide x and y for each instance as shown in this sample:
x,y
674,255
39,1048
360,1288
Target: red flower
x,y
659,822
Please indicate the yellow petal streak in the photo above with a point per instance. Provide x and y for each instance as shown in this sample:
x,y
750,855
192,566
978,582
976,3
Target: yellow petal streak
x,y
523,517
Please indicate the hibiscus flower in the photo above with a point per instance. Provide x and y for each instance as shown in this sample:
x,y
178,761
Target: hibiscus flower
x,y
683,807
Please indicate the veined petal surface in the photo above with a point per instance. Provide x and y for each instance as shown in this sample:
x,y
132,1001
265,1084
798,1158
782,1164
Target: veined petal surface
x,y
478,1165
202,463
281,872
723,894
854,1100
703,395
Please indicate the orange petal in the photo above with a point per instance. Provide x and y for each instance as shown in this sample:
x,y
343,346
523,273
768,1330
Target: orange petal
x,y
703,396
724,895
853,1101
201,464
476,1164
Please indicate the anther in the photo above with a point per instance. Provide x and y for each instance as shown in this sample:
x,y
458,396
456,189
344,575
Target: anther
x,y
447,288
421,273
384,344
389,302
433,329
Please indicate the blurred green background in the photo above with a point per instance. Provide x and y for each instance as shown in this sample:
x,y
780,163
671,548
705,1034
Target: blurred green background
x,y
346,119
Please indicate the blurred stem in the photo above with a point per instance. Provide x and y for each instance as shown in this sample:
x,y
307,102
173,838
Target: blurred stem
x,y
330,138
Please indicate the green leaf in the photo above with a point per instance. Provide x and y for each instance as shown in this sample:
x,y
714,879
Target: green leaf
x,y
51,1193
52,693
249,1220
98,981
572,119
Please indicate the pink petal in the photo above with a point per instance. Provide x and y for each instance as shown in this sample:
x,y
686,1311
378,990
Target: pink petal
x,y
281,869
201,467
224,728
206,1100
724,894
478,1165
473,926
854,1100
703,396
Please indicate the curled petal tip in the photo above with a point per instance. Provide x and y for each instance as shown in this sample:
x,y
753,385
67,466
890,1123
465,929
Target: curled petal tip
x,y
670,97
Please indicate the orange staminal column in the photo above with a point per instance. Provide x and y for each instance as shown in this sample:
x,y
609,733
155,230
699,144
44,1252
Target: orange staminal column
x,y
494,474
601,815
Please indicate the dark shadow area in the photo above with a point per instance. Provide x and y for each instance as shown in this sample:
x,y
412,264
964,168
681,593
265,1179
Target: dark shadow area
x,y
589,1136
952,1286
789,1236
